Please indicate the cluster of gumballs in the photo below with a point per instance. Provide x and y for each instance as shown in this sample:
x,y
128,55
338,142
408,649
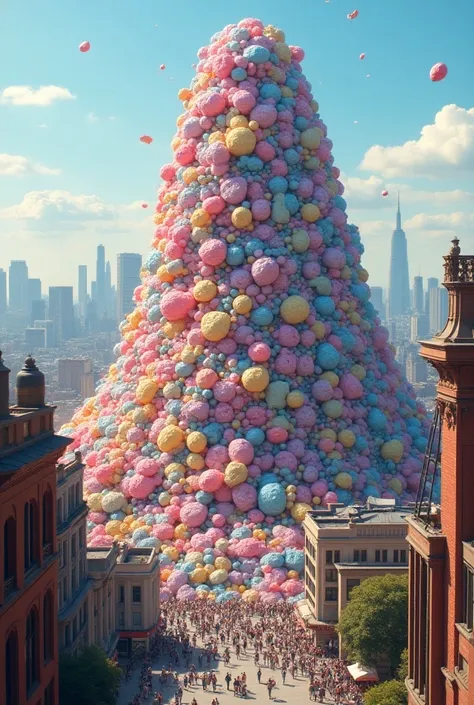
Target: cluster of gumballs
x,y
253,381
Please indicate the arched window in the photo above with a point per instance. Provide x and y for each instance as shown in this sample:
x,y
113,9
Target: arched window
x,y
9,555
31,534
32,650
48,626
48,517
11,669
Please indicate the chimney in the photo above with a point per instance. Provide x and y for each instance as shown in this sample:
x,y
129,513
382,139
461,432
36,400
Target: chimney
x,y
30,386
4,389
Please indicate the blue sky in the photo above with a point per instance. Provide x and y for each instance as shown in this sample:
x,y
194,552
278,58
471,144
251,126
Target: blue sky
x,y
74,172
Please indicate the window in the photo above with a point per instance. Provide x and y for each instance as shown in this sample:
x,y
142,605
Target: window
x,y
350,585
331,575
121,619
59,511
67,635
403,556
30,534
137,619
331,594
384,556
73,578
136,593
48,626
377,556
121,594
9,555
81,536
32,650
62,550
49,694
26,430
65,594
395,556
73,547
76,495
48,517
11,669
328,557
363,556
74,628
463,666
468,602
356,556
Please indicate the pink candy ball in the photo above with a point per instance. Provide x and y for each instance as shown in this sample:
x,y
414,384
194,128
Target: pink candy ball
x,y
241,451
211,104
213,252
211,480
140,486
147,467
259,352
234,190
244,101
193,514
176,305
265,270
244,497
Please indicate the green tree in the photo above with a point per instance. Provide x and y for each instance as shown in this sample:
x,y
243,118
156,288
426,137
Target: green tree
x,y
389,693
402,671
374,625
90,677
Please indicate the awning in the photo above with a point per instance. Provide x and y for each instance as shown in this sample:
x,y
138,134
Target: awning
x,y
363,674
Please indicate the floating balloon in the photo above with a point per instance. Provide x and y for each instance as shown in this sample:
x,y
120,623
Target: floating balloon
x,y
144,205
84,47
352,15
362,56
384,193
438,72
146,139
162,67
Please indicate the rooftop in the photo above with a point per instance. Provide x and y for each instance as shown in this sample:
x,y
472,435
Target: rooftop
x,y
14,459
375,511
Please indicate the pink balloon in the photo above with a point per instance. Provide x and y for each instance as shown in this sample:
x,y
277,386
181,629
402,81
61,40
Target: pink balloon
x,y
84,47
438,72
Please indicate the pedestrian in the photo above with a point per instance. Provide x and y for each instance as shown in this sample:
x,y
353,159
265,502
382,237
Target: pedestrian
x,y
259,674
228,679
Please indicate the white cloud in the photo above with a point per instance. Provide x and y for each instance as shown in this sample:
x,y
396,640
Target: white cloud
x,y
91,117
53,210
16,165
442,221
367,193
444,148
27,95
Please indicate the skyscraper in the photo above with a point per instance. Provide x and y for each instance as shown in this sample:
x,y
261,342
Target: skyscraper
x,y
399,292
128,278
3,291
108,290
100,279
432,283
18,286
61,312
38,310
376,298
438,307
82,289
34,291
418,298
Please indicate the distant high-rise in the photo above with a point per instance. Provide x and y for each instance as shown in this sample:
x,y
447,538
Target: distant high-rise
x,y
38,310
376,298
34,291
418,297
399,291
438,307
76,374
432,283
18,286
48,326
100,280
109,294
128,278
82,289
61,312
35,338
3,291
419,327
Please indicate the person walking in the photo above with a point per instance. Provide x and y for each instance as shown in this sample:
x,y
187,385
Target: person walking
x,y
228,679
259,674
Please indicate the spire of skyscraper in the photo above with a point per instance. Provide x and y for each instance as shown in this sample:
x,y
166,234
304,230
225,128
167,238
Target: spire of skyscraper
x,y
399,291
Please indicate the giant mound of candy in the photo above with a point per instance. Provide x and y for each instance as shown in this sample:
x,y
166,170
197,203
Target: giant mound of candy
x,y
254,380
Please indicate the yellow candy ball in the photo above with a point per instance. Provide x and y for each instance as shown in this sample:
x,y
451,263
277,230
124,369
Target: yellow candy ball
x,y
196,441
310,213
283,52
240,141
295,400
190,175
346,438
216,137
294,309
255,379
239,121
343,480
222,544
222,562
311,138
146,390
241,217
94,502
170,438
195,461
319,330
215,325
328,433
174,467
250,596
217,577
392,450
198,576
180,531
395,485
112,528
300,240
330,377
200,218
235,473
299,511
204,291
242,304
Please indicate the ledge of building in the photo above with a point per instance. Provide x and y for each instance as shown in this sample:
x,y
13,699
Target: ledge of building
x,y
428,542
414,698
70,608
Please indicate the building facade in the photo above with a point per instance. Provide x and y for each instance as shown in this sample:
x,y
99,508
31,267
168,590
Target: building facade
x,y
76,374
61,312
3,291
343,547
29,450
399,285
18,286
441,536
73,584
128,278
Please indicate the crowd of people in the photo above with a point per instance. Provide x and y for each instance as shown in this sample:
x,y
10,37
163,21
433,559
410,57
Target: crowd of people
x,y
268,634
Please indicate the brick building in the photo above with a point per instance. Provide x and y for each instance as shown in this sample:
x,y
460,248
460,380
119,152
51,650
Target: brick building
x,y
29,450
441,537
